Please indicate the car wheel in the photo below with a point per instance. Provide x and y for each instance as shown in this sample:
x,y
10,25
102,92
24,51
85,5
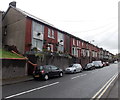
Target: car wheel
x,y
46,77
74,71
35,78
61,74
81,70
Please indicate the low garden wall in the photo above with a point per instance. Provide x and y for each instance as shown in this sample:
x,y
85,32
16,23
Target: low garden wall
x,y
12,68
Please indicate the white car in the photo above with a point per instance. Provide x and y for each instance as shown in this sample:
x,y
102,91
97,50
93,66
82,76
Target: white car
x,y
98,64
115,62
74,68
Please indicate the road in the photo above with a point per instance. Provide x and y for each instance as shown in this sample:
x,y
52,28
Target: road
x,y
80,85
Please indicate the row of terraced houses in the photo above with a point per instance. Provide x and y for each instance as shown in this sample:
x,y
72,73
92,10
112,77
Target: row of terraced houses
x,y
27,32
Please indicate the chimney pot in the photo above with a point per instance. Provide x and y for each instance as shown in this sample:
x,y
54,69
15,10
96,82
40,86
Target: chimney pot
x,y
12,4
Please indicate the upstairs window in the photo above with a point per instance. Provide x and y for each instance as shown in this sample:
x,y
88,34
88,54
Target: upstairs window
x,y
50,33
37,30
60,38
82,44
77,42
73,41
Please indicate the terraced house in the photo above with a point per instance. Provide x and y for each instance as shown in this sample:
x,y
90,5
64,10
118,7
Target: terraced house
x,y
27,33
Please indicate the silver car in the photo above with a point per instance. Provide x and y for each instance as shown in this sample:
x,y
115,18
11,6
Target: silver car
x,y
74,68
98,64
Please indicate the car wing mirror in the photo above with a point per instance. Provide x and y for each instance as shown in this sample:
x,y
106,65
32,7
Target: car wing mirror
x,y
57,68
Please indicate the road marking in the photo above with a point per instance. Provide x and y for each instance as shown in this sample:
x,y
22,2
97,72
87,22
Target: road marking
x,y
107,87
28,91
102,88
111,79
75,77
83,74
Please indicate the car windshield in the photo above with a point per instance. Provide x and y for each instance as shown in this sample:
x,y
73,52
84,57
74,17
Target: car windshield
x,y
71,66
39,68
97,62
89,64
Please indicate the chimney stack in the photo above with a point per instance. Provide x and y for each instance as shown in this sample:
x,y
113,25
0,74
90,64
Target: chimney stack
x,y
12,4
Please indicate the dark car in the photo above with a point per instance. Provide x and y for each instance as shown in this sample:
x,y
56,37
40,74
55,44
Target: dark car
x,y
89,66
47,71
107,63
104,64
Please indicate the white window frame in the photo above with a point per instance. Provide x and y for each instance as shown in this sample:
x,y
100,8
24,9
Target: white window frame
x,y
77,42
82,44
50,47
36,44
73,41
75,51
83,52
60,38
49,33
53,34
95,54
37,40
88,53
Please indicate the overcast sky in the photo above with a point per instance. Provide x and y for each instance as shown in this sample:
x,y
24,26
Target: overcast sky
x,y
87,19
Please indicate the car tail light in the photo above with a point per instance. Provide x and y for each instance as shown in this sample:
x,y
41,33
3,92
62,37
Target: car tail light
x,y
33,72
42,71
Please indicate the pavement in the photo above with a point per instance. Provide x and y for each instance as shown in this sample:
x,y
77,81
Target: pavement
x,y
16,80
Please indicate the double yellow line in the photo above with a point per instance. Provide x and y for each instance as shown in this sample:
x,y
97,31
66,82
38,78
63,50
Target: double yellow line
x,y
99,94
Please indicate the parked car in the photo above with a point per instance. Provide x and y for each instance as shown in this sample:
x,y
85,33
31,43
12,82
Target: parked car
x,y
115,62
107,63
104,64
98,64
74,68
47,71
89,66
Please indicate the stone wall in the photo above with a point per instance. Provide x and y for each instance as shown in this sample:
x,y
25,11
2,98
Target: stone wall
x,y
13,68
59,61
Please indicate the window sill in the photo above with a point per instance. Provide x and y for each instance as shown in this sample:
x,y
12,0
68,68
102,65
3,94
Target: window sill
x,y
51,37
